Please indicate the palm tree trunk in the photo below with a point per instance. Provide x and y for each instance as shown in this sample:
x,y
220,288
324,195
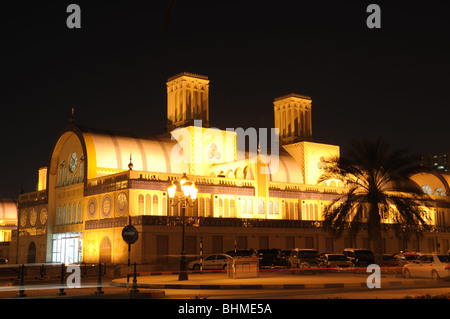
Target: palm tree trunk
x,y
378,248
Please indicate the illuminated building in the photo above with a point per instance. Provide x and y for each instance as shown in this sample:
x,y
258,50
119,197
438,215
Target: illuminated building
x,y
8,223
97,179
437,161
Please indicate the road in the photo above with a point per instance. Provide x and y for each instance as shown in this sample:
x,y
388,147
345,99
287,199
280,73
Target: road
x,y
271,287
388,293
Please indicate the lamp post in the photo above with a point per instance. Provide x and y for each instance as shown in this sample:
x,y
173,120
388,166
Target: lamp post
x,y
187,198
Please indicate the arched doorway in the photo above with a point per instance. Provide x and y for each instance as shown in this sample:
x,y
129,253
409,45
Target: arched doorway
x,y
105,250
31,256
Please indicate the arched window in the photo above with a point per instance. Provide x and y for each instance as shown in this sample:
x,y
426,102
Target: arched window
x,y
60,177
316,212
232,208
286,211
164,205
220,207
63,222
291,209
155,205
201,207
276,208
427,189
244,206
59,216
439,191
80,173
305,213
188,104
74,213
148,204
226,208
250,206
75,178
141,204
79,214
288,122
260,206
65,176
196,104
208,207
270,208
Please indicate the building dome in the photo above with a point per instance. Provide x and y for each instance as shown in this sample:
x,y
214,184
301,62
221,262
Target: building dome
x,y
151,154
8,208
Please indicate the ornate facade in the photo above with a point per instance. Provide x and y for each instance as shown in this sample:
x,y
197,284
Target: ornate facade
x,y
98,180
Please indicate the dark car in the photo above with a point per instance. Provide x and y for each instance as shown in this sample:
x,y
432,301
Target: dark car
x,y
285,254
403,258
360,257
3,261
269,258
304,258
242,253
337,261
390,261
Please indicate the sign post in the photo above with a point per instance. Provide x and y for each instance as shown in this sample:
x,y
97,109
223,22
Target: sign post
x,y
130,235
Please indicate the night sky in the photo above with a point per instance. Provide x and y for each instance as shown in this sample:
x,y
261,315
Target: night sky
x,y
391,82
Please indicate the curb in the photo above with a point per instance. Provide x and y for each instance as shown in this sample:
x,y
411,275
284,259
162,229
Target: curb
x,y
388,284
128,295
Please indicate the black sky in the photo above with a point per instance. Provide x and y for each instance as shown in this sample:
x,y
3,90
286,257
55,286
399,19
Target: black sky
x,y
391,82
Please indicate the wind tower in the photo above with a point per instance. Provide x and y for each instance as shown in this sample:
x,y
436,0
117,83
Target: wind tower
x,y
187,100
293,118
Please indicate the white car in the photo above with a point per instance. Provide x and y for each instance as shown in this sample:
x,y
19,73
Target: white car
x,y
428,265
217,261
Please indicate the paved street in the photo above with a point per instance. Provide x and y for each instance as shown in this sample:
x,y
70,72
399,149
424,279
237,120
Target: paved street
x,y
213,285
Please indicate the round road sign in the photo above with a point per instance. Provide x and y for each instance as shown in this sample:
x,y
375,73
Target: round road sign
x,y
130,234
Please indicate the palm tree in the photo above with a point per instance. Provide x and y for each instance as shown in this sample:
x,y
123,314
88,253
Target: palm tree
x,y
379,184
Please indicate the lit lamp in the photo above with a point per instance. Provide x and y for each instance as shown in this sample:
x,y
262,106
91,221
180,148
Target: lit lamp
x,y
189,196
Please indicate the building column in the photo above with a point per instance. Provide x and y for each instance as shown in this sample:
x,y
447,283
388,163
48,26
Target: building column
x,y
309,123
292,108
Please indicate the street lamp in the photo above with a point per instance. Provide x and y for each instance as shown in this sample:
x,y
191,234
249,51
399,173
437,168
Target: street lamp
x,y
189,196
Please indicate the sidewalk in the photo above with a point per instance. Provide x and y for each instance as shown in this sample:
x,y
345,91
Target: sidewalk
x,y
269,280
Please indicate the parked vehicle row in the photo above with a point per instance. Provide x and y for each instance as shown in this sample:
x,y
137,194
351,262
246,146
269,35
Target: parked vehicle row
x,y
412,263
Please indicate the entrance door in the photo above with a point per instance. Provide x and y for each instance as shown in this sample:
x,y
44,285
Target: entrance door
x,y
105,250
31,257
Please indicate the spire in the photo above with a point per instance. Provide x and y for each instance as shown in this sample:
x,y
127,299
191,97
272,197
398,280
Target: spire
x,y
130,166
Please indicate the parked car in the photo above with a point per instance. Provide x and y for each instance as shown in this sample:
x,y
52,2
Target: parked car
x,y
337,261
407,257
285,254
3,261
360,257
217,261
242,253
390,261
269,258
304,258
428,265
